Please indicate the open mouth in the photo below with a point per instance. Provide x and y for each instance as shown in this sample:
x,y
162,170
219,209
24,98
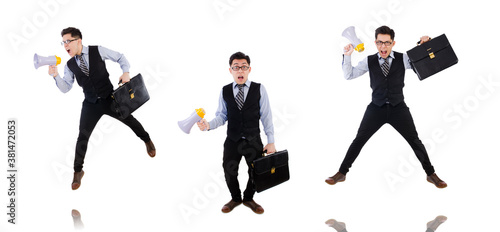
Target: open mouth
x,y
68,50
383,53
240,77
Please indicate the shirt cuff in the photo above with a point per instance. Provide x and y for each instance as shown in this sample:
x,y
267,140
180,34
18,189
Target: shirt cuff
x,y
346,60
210,126
270,138
125,69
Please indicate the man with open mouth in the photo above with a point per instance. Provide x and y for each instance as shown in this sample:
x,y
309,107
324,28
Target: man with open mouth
x,y
242,103
387,70
87,66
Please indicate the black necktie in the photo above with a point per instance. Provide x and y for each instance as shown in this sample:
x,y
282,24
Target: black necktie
x,y
385,66
239,97
83,67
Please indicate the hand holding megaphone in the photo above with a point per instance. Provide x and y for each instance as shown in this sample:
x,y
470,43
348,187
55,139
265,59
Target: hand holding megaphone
x,y
196,116
203,125
348,50
53,71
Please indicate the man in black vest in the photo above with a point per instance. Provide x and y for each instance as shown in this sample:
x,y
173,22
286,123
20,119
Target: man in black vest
x,y
87,66
242,104
387,70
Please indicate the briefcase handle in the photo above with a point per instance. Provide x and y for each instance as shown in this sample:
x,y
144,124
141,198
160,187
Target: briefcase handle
x,y
418,43
264,153
120,83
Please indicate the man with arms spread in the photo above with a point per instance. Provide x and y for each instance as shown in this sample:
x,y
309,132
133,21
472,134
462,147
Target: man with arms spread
x,y
387,70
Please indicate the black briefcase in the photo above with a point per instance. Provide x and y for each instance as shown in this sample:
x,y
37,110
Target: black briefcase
x,y
130,96
271,170
432,57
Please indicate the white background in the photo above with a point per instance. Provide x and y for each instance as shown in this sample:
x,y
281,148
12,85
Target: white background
x,y
182,49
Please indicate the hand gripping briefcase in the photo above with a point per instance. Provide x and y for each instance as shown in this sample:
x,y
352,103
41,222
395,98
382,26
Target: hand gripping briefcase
x,y
432,57
130,96
271,170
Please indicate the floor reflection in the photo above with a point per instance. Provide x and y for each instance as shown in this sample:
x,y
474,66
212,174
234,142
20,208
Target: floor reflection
x,y
77,219
431,226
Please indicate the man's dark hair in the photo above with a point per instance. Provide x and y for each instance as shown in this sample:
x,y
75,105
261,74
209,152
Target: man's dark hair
x,y
238,56
75,32
384,30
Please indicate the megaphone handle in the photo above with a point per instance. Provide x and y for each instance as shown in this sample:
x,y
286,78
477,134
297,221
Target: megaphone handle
x,y
351,47
206,127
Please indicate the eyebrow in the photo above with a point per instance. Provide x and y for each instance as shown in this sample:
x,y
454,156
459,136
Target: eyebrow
x,y
244,63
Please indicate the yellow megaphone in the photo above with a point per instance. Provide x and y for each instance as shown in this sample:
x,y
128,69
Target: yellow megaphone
x,y
42,60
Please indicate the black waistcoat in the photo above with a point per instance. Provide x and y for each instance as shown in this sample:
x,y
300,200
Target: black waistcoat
x,y
244,122
390,88
97,84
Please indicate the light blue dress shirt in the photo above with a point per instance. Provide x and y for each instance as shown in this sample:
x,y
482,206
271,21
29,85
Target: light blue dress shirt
x,y
266,116
362,67
66,83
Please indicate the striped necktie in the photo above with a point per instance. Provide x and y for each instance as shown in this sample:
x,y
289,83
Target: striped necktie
x,y
83,66
239,97
385,66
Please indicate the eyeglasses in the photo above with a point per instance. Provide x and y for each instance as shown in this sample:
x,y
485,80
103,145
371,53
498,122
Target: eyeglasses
x,y
67,41
386,43
236,68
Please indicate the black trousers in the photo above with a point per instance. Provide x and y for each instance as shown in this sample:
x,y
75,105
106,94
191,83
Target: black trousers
x,y
90,115
400,118
233,152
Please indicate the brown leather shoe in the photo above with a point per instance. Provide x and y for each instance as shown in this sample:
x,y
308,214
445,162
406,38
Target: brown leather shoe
x,y
256,208
151,149
436,181
230,206
77,180
338,177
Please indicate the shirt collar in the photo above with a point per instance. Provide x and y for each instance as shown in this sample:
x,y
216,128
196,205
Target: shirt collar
x,y
247,84
390,55
85,50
